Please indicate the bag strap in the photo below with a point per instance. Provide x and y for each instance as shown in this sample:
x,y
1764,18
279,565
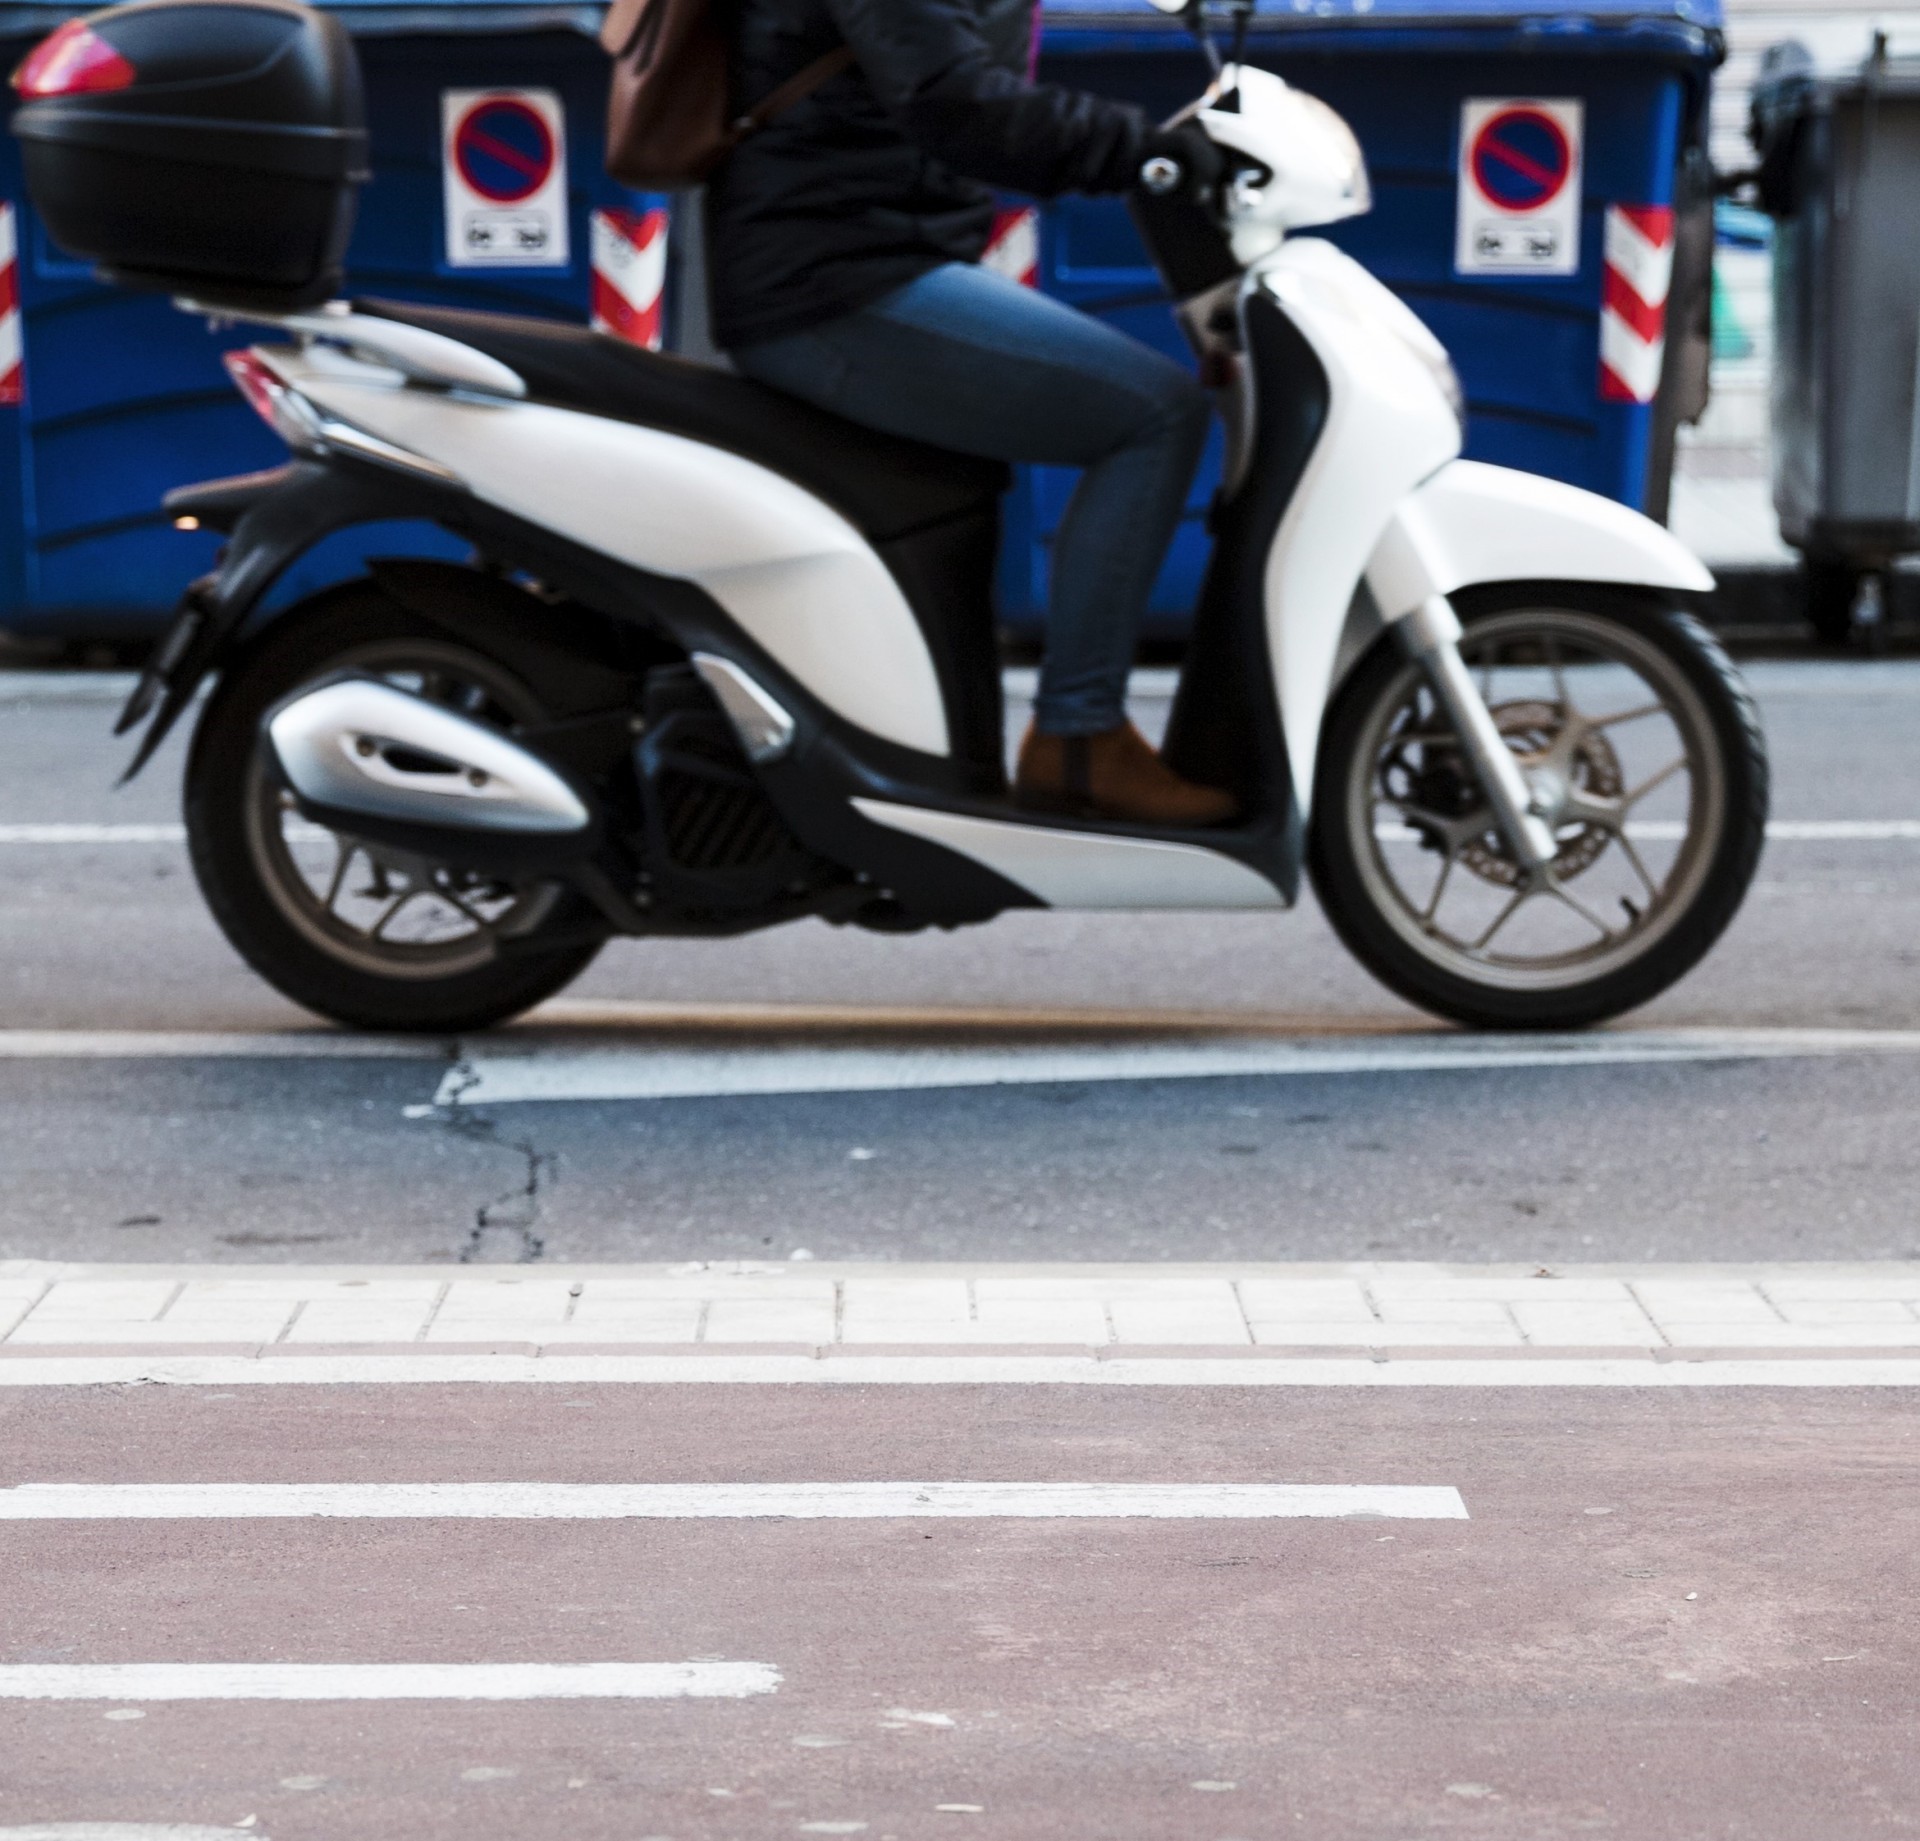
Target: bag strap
x,y
796,89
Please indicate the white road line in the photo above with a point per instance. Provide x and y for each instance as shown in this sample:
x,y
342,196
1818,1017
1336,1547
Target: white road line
x,y
130,834
66,687
212,1045
1840,830
92,834
1779,831
522,1064
128,1831
1500,1370
493,1078
728,1501
135,1681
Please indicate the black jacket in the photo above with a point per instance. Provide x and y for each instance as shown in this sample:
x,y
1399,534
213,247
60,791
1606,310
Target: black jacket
x,y
883,172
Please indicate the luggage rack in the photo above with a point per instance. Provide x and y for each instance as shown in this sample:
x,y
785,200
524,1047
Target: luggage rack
x,y
420,356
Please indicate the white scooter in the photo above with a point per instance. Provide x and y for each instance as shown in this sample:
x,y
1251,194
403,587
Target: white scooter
x,y
722,660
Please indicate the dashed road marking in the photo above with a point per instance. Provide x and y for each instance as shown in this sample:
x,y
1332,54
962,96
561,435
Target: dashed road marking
x,y
730,1501
149,1681
129,1831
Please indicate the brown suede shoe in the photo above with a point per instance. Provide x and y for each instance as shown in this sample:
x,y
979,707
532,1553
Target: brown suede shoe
x,y
1115,775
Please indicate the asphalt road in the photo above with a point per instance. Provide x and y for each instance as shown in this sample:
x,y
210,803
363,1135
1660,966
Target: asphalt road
x,y
118,1157
1635,1629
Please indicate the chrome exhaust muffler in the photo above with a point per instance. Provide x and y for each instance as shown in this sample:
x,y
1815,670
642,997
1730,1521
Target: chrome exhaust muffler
x,y
370,759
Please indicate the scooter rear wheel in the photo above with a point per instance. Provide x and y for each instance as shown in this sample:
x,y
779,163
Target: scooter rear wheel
x,y
346,929
1634,727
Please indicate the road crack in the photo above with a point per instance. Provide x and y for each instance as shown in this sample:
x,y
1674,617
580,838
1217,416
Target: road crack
x,y
505,1229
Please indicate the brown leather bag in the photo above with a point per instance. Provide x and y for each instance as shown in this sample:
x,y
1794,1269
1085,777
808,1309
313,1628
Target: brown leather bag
x,y
667,122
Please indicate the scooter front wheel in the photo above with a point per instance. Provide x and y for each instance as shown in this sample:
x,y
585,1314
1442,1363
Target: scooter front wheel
x,y
1642,748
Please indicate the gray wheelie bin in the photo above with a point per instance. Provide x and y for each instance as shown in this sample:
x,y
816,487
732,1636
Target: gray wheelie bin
x,y
1839,145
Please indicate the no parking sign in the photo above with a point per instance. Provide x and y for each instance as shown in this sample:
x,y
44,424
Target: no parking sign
x,y
503,154
1519,211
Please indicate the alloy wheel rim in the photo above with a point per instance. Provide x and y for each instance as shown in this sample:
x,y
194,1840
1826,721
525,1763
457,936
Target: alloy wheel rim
x,y
376,910
1639,814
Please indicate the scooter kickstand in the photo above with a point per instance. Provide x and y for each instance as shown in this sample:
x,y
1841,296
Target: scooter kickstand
x,y
1432,633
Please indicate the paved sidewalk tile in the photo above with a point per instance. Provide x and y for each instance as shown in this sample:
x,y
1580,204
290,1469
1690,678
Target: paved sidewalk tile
x,y
329,1320
642,1319
1297,1300
1858,1282
1387,1285
864,1307
695,1281
769,1320
1016,1320
1691,1301
1436,1331
1468,1313
1847,1310
1311,1333
1718,1333
1180,1320
106,1300
1583,1325
526,1301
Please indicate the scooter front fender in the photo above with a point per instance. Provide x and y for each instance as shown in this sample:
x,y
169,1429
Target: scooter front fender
x,y
1470,523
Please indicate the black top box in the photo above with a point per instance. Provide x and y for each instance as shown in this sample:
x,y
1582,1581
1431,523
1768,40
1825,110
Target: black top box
x,y
204,147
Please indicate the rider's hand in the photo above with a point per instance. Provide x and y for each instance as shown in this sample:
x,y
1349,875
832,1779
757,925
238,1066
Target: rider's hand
x,y
1201,164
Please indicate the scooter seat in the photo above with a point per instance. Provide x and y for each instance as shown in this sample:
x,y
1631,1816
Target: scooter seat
x,y
886,487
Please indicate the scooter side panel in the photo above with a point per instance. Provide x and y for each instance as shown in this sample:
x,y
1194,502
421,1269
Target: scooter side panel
x,y
1474,523
800,580
1388,427
1079,869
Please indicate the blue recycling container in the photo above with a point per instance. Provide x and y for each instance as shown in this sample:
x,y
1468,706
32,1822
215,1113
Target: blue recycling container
x,y
1405,73
121,397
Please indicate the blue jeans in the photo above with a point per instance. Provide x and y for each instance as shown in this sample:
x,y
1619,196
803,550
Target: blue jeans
x,y
969,360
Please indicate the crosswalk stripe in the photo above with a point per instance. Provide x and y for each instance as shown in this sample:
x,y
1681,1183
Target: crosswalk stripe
x,y
860,1501
145,1681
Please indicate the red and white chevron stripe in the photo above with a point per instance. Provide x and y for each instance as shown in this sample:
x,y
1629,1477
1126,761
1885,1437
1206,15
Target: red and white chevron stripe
x,y
630,275
12,369
1633,301
1013,246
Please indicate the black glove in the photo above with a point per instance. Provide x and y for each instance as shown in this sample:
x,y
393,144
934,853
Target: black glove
x,y
1201,165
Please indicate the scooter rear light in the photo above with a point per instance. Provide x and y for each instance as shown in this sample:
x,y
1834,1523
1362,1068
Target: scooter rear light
x,y
255,382
268,396
308,429
75,61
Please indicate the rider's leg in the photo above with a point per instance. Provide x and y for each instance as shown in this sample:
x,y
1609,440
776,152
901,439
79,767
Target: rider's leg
x,y
968,360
